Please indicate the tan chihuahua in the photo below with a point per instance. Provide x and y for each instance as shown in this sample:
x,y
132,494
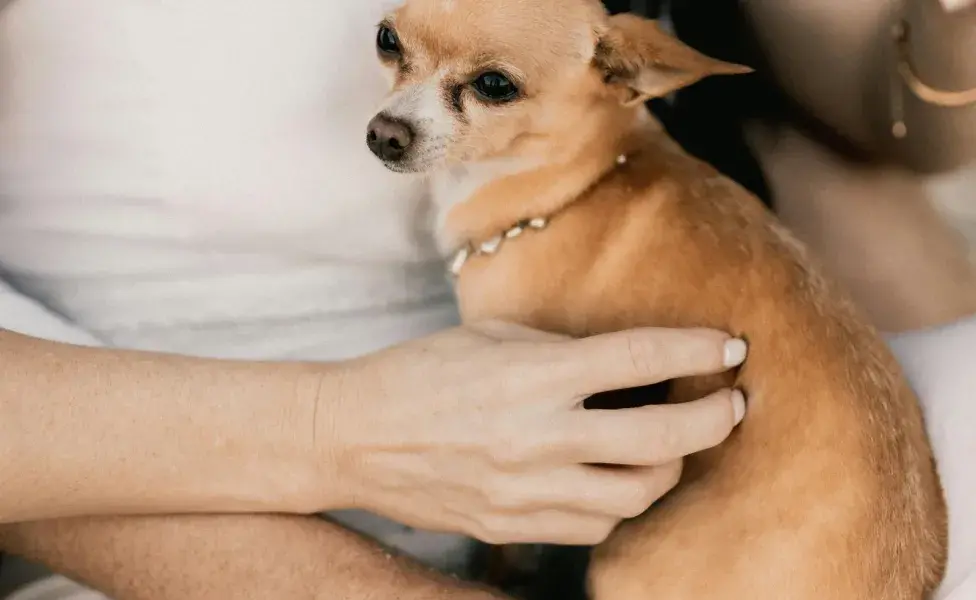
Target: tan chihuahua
x,y
565,206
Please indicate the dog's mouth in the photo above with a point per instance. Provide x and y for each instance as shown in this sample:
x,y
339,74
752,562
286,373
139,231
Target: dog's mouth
x,y
418,163
400,167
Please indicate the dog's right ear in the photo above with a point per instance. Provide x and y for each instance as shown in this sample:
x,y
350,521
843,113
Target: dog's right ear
x,y
640,61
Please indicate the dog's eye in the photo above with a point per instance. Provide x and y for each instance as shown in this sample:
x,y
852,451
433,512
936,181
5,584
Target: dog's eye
x,y
495,86
387,42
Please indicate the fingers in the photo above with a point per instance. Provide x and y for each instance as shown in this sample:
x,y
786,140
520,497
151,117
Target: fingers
x,y
628,493
643,357
623,493
653,435
548,527
580,505
506,331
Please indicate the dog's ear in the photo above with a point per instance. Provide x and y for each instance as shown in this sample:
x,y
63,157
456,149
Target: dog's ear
x,y
640,61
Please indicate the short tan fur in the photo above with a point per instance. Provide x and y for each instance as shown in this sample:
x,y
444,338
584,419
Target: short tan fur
x,y
828,489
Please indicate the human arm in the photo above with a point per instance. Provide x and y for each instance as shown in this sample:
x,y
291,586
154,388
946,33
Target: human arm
x,y
261,557
837,60
292,557
477,429
87,431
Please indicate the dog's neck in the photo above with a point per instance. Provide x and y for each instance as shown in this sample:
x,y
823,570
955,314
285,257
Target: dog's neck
x,y
476,202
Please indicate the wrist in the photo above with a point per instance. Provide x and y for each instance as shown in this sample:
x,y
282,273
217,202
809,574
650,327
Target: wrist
x,y
331,405
257,451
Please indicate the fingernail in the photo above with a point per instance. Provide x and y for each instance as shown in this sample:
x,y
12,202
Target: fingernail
x,y
739,405
735,352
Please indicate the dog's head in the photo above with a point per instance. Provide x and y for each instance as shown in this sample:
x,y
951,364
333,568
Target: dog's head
x,y
475,80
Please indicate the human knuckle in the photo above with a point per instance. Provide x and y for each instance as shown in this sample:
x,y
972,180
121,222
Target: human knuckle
x,y
646,355
491,538
493,531
638,501
668,476
569,437
599,531
658,482
666,441
587,538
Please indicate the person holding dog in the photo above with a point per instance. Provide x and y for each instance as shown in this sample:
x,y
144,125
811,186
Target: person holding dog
x,y
155,145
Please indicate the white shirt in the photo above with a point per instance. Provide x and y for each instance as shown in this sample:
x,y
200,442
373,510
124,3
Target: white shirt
x,y
192,176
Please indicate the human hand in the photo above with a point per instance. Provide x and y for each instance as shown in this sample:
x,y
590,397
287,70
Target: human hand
x,y
480,430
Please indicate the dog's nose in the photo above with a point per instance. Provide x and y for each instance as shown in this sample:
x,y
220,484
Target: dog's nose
x,y
388,138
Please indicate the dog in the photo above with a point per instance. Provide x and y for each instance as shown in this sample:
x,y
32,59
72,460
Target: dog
x,y
563,205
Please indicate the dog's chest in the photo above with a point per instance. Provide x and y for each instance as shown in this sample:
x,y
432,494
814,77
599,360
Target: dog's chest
x,y
457,185
499,287
541,280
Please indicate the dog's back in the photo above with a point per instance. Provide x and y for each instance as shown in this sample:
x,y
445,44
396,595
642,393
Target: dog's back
x,y
828,489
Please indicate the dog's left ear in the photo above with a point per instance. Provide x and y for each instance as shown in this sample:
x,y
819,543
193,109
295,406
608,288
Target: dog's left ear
x,y
640,61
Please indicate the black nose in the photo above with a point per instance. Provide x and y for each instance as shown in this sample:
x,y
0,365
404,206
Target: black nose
x,y
388,138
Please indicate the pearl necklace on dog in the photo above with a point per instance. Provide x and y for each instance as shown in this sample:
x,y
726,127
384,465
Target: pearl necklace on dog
x,y
493,245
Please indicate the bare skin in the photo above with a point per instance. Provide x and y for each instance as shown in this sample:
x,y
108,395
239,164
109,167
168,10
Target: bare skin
x,y
411,433
246,557
847,84
171,569
872,223
876,230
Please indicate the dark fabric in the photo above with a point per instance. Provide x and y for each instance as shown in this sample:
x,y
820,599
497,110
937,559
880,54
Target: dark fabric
x,y
707,118
619,6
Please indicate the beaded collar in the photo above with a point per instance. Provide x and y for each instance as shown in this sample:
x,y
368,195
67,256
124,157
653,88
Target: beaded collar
x,y
493,245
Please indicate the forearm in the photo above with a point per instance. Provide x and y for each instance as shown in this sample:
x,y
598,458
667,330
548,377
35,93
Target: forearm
x,y
245,557
94,432
837,60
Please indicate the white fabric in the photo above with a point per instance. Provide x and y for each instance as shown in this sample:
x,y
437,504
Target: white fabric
x,y
941,363
192,176
55,588
23,315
